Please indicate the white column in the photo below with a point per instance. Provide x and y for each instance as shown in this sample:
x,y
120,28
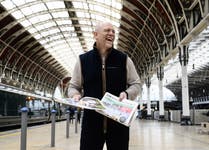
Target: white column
x,y
184,57
148,102
185,92
160,75
161,101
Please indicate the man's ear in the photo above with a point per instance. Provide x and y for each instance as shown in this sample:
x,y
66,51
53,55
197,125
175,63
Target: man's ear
x,y
95,34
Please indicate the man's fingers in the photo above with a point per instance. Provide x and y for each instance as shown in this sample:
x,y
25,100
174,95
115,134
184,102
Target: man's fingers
x,y
77,97
122,96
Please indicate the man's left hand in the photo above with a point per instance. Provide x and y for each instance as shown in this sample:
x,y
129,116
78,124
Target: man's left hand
x,y
122,96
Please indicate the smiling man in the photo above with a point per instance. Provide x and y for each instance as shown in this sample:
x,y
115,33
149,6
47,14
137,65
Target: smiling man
x,y
104,69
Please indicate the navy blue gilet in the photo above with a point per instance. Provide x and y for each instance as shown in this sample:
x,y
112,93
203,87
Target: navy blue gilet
x,y
115,68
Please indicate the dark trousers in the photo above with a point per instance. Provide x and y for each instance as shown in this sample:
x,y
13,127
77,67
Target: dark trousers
x,y
93,136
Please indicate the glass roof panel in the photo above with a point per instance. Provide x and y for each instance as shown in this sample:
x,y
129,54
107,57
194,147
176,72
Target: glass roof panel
x,y
37,36
60,42
50,23
38,8
40,18
60,22
26,23
49,32
85,22
57,48
88,34
68,28
43,41
60,14
82,14
88,29
18,2
55,4
27,10
8,4
18,14
44,25
32,30
80,5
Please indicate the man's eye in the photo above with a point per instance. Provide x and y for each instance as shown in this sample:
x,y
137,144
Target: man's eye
x,y
113,31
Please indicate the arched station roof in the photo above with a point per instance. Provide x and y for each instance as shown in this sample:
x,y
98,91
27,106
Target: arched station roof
x,y
41,39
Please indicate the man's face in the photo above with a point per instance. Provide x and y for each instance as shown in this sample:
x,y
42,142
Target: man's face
x,y
105,36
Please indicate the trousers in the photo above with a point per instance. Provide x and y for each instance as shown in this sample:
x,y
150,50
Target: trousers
x,y
94,134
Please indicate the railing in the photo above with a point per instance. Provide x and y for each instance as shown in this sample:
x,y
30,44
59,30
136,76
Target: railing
x,y
24,118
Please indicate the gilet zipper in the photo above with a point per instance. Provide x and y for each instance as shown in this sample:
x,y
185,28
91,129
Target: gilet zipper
x,y
104,90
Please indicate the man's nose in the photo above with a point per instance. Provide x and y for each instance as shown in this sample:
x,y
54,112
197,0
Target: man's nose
x,y
112,32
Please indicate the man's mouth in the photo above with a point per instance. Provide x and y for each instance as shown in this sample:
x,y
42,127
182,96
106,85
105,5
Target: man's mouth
x,y
109,39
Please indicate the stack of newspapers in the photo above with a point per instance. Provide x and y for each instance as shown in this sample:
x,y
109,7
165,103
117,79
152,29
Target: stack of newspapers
x,y
123,111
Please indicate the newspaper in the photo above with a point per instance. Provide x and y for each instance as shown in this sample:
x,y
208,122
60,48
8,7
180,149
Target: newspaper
x,y
85,103
123,111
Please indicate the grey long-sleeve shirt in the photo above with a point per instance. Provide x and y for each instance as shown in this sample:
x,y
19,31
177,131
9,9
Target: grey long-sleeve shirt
x,y
133,80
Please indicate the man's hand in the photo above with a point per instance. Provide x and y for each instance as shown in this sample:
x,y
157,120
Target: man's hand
x,y
77,97
122,96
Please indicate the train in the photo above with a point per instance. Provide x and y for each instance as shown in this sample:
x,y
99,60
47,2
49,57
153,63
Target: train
x,y
39,109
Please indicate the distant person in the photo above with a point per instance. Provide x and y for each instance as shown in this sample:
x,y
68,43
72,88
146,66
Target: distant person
x,y
79,114
72,113
104,69
169,115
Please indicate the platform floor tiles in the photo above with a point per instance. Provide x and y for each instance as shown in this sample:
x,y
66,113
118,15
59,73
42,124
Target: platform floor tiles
x,y
144,135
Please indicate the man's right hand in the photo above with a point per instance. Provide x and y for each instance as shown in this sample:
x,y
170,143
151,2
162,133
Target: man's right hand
x,y
77,97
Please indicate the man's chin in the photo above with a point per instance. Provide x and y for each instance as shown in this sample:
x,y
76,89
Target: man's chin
x,y
108,46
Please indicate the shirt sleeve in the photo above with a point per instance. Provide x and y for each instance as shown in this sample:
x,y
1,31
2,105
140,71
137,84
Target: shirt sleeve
x,y
76,81
133,80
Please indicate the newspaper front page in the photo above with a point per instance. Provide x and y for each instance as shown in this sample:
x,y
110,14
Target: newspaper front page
x,y
123,111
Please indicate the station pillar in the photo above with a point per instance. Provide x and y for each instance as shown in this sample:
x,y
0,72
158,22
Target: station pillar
x,y
160,75
183,58
148,83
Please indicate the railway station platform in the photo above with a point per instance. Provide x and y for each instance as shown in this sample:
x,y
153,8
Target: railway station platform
x,y
144,135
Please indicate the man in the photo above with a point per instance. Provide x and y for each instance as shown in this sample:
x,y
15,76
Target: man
x,y
103,69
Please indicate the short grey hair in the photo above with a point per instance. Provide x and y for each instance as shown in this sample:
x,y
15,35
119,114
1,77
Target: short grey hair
x,y
99,25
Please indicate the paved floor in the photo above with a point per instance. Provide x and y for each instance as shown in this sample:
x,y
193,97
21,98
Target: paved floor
x,y
145,135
